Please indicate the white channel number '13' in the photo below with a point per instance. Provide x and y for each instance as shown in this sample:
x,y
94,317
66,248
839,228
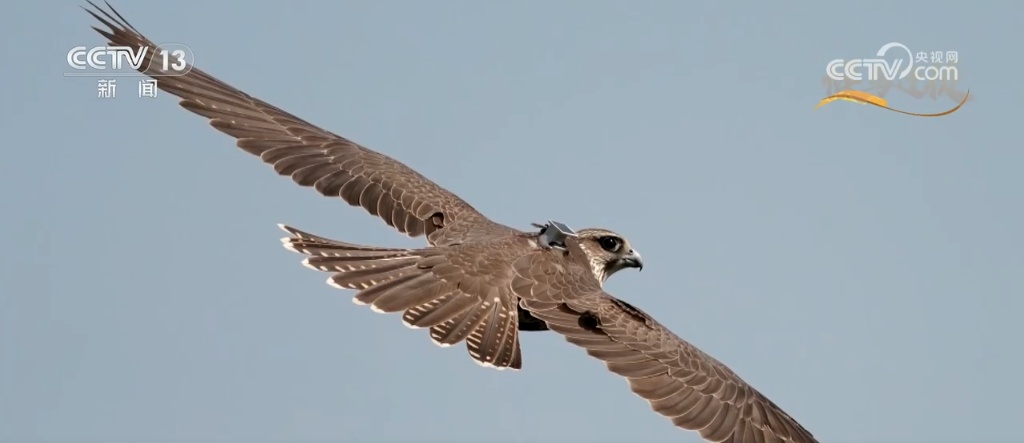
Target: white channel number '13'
x,y
179,59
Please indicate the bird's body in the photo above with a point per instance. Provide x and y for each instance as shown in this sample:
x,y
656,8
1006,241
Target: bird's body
x,y
461,291
477,281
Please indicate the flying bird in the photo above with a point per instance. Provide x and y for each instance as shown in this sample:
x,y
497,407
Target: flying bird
x,y
475,281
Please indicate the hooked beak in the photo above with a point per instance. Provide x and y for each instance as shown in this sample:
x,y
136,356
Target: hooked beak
x,y
633,260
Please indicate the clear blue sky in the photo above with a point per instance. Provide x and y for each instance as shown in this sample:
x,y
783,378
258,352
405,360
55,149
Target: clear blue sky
x,y
859,267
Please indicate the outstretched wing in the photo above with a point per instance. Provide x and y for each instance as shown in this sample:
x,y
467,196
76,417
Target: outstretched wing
x,y
331,164
691,388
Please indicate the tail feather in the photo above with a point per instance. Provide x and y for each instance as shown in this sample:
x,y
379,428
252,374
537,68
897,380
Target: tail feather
x,y
327,247
401,293
494,342
423,285
340,251
439,310
458,328
372,274
349,264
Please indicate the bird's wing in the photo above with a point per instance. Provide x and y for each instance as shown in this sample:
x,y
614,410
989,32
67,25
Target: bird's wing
x,y
691,388
311,156
461,292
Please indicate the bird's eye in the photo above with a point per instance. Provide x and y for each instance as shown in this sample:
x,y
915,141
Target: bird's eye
x,y
610,244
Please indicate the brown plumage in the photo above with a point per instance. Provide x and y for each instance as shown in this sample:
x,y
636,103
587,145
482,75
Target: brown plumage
x,y
693,389
476,281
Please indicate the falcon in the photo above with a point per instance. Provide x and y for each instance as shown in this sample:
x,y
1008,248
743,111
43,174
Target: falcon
x,y
475,281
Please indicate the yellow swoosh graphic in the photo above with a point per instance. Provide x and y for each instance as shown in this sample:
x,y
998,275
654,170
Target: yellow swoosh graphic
x,y
865,98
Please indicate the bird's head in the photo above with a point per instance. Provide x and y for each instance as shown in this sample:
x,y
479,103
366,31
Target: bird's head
x,y
607,252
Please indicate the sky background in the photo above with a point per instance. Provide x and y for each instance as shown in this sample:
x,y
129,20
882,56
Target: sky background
x,y
859,267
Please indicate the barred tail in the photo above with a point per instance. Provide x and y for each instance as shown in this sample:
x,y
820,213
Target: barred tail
x,y
394,279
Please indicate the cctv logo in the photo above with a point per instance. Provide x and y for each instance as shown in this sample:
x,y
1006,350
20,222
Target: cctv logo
x,y
173,59
97,58
877,68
